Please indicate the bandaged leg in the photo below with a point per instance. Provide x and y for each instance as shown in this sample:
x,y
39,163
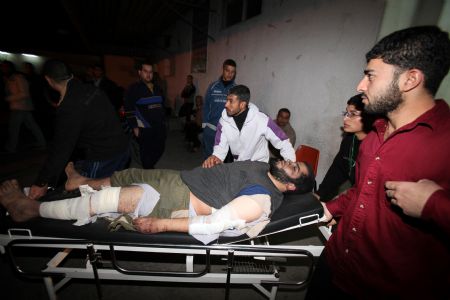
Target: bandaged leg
x,y
220,220
80,208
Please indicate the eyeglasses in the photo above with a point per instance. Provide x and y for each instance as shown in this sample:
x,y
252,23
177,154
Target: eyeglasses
x,y
351,114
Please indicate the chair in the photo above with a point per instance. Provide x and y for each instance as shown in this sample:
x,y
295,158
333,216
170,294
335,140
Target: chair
x,y
308,154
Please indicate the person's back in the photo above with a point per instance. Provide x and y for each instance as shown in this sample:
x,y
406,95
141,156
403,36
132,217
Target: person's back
x,y
97,115
86,121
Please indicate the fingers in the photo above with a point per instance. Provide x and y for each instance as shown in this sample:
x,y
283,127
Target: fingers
x,y
211,162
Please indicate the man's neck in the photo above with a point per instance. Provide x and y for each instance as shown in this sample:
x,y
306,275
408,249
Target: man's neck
x,y
408,111
279,185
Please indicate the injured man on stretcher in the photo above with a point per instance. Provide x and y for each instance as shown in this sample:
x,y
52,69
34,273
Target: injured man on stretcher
x,y
239,196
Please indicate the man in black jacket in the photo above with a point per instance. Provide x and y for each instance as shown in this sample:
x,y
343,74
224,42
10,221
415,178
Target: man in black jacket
x,y
85,121
145,113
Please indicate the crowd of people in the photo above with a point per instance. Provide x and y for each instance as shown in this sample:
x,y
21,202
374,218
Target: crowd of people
x,y
393,227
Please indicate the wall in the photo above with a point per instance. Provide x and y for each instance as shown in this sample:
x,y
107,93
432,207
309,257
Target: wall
x,y
307,56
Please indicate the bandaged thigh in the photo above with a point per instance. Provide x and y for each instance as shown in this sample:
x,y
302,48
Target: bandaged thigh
x,y
220,220
104,201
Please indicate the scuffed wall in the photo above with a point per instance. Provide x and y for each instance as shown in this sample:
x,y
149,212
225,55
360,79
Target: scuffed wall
x,y
307,56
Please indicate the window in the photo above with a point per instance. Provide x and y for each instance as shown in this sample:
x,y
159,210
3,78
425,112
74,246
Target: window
x,y
237,11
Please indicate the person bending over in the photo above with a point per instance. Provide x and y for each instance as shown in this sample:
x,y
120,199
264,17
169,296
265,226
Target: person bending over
x,y
241,195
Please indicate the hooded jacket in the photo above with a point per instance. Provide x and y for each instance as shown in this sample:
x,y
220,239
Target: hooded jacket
x,y
251,142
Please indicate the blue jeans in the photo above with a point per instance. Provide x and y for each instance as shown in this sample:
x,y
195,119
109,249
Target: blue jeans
x,y
103,168
209,136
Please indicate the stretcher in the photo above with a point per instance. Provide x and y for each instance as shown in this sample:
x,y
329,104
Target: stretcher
x,y
230,260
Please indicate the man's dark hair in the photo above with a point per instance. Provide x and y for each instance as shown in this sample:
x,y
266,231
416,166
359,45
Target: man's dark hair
x,y
229,62
304,183
56,70
426,48
284,110
139,63
366,119
241,91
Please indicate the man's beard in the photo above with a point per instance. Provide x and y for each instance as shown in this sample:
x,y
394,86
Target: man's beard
x,y
278,172
387,102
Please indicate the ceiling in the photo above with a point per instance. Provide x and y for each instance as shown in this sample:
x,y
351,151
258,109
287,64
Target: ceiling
x,y
122,27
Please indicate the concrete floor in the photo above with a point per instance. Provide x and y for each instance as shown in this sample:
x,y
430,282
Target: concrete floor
x,y
25,165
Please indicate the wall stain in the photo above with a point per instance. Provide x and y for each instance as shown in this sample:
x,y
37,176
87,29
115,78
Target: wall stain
x,y
273,74
299,56
271,26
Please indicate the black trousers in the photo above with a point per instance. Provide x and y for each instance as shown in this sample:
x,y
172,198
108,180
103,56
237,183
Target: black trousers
x,y
152,142
321,285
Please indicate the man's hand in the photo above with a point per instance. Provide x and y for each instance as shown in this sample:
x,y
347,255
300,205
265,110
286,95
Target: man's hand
x,y
211,161
327,217
37,192
136,131
411,196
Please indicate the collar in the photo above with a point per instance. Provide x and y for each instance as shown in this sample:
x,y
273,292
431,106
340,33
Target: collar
x,y
431,118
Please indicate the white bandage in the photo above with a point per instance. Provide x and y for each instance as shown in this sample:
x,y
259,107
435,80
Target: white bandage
x,y
69,209
222,219
105,200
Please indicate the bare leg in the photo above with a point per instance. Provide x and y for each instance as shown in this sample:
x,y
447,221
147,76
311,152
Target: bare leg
x,y
20,207
74,179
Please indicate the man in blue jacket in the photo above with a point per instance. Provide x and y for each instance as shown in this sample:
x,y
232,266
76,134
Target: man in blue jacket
x,y
215,98
144,111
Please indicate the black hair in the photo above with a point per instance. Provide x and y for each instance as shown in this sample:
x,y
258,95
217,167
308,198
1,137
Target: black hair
x,y
241,91
56,70
426,48
303,184
229,62
366,119
285,110
306,182
141,62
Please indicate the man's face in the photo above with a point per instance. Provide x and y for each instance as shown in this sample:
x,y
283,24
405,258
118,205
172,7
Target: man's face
x,y
234,106
228,73
283,118
381,93
146,73
189,79
97,72
285,170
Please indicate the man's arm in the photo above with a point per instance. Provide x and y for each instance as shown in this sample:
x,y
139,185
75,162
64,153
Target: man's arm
x,y
220,149
67,132
276,136
129,106
241,210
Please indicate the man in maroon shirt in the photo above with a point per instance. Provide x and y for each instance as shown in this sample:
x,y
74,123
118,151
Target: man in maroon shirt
x,y
384,246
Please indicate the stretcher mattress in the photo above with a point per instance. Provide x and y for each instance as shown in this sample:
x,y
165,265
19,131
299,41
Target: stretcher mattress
x,y
294,207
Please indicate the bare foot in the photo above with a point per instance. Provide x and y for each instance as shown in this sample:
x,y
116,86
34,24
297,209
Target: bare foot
x,y
74,179
20,207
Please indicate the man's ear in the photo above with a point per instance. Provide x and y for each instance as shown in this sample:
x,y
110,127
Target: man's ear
x,y
290,187
413,78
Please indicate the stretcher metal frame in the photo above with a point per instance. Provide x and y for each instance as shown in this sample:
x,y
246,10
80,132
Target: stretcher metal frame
x,y
297,211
